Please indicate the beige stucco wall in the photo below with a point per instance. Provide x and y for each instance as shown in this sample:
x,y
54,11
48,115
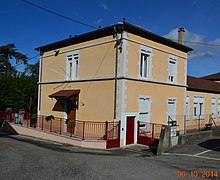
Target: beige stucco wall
x,y
160,54
95,61
207,100
95,100
159,95
207,106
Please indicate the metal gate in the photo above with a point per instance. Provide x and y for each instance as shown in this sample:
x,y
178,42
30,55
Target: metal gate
x,y
148,133
113,134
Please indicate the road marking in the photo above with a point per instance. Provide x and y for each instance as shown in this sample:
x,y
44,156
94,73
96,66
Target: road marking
x,y
190,155
203,152
206,151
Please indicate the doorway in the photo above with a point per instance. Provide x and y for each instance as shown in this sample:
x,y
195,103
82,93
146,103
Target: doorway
x,y
130,130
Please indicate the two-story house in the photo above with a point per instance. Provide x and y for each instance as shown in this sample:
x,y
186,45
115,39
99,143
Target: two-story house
x,y
120,72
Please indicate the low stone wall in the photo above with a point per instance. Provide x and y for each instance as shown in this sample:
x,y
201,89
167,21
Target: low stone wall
x,y
192,137
17,129
166,142
216,131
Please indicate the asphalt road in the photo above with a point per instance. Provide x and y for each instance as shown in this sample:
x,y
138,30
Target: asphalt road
x,y
28,158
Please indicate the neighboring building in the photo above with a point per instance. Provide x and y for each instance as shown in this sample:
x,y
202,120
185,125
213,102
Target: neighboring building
x,y
78,78
202,101
213,77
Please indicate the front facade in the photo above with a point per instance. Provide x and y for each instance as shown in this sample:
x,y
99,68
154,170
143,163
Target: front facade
x,y
79,79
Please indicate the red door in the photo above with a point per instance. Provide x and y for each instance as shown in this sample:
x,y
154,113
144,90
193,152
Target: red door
x,y
71,114
130,130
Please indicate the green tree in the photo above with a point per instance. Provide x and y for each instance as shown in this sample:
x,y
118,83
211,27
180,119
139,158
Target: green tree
x,y
17,90
21,92
8,53
32,70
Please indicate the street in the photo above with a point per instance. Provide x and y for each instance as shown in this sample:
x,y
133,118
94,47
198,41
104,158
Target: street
x,y
29,158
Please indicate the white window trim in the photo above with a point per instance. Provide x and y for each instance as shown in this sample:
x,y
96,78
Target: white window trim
x,y
187,101
168,100
150,102
174,59
200,99
148,52
75,66
213,113
218,107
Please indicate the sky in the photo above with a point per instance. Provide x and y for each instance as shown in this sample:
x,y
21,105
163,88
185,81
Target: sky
x,y
30,27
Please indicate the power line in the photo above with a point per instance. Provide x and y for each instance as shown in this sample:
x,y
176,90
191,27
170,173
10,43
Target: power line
x,y
206,44
27,60
200,43
60,15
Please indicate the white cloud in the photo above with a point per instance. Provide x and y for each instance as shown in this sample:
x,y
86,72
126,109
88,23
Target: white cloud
x,y
216,41
172,35
104,6
200,55
99,21
191,39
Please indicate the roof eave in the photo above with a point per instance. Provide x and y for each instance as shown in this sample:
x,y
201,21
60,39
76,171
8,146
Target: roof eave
x,y
110,31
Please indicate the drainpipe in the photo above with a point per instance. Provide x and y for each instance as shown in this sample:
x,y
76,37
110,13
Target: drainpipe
x,y
118,42
116,74
39,84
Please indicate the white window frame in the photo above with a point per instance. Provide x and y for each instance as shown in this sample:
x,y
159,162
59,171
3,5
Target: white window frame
x,y
172,73
219,107
147,112
173,116
72,65
213,107
197,102
145,66
187,107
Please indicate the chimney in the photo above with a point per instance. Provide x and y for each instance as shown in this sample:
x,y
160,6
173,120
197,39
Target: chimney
x,y
181,35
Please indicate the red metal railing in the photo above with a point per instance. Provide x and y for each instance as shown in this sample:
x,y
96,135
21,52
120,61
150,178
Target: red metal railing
x,y
85,130
148,133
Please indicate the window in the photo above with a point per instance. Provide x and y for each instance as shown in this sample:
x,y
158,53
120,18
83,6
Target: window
x,y
72,65
213,108
172,68
144,109
218,107
171,110
198,107
145,64
187,108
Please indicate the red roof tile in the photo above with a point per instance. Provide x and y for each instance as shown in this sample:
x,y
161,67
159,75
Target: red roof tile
x,y
199,84
215,76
